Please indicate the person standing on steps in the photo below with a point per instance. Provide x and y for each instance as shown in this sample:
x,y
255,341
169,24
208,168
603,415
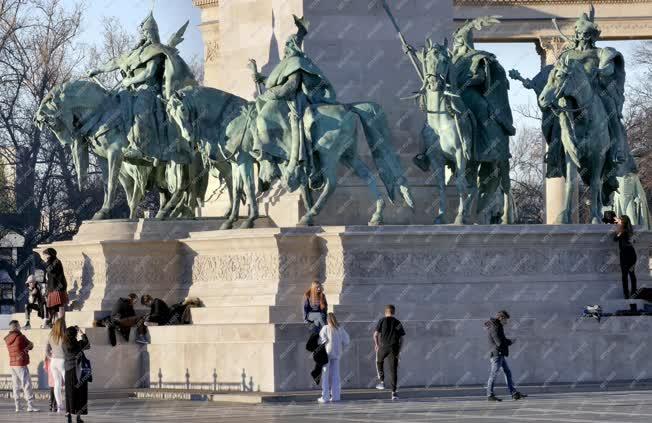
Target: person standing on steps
x,y
315,307
624,237
57,287
18,347
76,388
499,347
57,357
388,341
335,338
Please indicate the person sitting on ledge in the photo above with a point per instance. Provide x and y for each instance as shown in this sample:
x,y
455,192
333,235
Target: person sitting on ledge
x,y
123,317
159,315
315,307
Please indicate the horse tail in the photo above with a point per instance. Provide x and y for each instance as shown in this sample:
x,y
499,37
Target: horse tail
x,y
376,130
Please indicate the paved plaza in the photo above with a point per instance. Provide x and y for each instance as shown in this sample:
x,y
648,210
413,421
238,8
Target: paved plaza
x,y
625,406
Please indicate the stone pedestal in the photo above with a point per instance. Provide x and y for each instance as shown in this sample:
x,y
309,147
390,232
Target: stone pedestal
x,y
444,280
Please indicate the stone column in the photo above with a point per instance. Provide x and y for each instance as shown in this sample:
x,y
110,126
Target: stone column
x,y
549,49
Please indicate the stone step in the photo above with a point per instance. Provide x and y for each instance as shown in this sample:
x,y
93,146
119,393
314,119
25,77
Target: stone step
x,y
407,312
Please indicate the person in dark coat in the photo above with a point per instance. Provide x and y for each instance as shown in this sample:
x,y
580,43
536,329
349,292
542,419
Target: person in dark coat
x,y
123,317
159,315
499,351
57,287
315,307
76,390
624,237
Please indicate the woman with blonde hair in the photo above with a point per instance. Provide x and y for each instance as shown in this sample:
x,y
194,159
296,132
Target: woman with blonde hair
x,y
335,338
315,307
55,353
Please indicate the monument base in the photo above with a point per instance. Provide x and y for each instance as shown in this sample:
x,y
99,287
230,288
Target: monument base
x,y
445,281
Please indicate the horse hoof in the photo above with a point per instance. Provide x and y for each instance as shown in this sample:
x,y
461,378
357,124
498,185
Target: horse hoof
x,y
459,220
595,221
305,221
226,225
376,221
247,224
440,220
102,215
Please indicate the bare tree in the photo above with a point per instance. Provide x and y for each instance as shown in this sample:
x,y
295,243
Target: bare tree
x,y
526,170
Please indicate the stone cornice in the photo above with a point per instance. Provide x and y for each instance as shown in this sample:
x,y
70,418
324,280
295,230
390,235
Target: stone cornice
x,y
205,3
544,2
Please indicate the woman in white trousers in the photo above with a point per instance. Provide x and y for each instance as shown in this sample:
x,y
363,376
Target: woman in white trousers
x,y
335,339
55,352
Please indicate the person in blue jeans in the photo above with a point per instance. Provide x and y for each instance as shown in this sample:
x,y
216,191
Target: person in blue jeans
x,y
499,345
315,307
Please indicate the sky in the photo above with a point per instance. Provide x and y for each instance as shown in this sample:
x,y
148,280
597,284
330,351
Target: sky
x,y
171,14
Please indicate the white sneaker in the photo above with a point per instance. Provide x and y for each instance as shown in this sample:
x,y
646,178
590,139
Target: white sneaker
x,y
380,386
321,400
17,409
394,396
32,410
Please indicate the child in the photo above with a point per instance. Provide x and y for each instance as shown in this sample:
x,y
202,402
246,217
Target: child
x,y
53,401
35,300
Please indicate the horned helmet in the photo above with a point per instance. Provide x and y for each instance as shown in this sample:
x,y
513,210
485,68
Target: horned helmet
x,y
149,29
294,43
586,29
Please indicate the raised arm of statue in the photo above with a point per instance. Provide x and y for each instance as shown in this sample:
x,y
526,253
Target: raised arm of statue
x,y
287,91
107,67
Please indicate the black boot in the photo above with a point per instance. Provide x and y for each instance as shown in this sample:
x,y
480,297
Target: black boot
x,y
517,396
69,418
79,419
493,398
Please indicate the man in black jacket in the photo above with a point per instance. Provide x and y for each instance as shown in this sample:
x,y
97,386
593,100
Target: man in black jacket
x,y
499,345
123,317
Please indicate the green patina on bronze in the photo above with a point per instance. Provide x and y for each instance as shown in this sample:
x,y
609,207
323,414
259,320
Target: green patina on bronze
x,y
468,123
581,98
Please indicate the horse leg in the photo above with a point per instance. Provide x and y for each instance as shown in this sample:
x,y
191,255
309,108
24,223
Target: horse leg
x,y
237,188
105,211
330,182
488,174
114,160
246,170
226,172
596,197
463,189
364,173
506,185
129,185
571,177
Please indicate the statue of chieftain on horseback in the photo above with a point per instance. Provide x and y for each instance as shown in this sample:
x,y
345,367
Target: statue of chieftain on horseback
x,y
469,122
162,131
581,98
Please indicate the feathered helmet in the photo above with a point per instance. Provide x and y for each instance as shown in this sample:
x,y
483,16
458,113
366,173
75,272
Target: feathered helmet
x,y
150,27
302,30
585,26
464,34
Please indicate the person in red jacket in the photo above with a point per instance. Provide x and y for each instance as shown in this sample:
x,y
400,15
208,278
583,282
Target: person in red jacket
x,y
18,346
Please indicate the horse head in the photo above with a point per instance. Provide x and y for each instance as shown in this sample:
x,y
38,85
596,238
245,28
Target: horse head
x,y
436,61
568,88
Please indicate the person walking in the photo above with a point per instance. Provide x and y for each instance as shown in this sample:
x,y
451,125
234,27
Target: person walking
x,y
55,353
335,338
35,301
388,341
19,346
315,307
499,347
76,389
624,237
57,287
